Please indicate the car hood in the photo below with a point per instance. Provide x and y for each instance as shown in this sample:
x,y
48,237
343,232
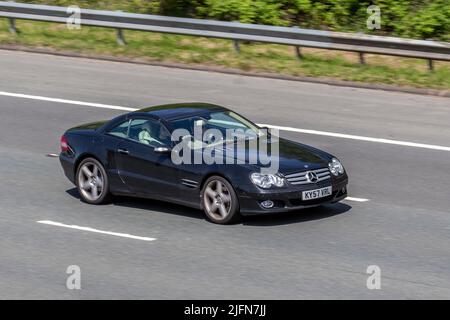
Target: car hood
x,y
293,156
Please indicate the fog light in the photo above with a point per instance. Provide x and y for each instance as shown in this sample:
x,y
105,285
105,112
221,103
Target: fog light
x,y
267,204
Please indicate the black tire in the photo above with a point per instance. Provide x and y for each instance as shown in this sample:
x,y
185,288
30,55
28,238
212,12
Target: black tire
x,y
210,202
92,193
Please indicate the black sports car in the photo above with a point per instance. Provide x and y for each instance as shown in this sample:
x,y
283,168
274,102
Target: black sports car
x,y
135,154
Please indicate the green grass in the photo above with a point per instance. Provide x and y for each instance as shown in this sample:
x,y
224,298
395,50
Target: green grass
x,y
214,52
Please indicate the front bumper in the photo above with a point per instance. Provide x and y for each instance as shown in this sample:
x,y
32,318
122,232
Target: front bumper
x,y
289,199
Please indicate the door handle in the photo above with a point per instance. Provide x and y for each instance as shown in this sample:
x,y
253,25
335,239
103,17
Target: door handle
x,y
123,151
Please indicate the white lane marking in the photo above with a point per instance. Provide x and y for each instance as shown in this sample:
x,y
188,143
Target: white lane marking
x,y
306,131
356,199
361,138
80,103
123,235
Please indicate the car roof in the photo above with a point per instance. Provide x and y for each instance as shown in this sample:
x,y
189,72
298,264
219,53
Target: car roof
x,y
181,110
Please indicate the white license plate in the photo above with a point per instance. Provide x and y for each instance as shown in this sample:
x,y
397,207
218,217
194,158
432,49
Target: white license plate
x,y
317,193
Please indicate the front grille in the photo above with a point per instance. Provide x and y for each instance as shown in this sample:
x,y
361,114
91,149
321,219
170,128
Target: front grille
x,y
302,177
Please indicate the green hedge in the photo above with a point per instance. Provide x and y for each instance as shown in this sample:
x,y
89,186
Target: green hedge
x,y
425,19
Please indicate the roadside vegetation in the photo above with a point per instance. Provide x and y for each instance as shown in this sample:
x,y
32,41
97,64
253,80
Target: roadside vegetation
x,y
214,52
422,19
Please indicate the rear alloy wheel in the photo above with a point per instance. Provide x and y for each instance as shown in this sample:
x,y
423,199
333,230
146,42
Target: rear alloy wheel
x,y
220,202
92,182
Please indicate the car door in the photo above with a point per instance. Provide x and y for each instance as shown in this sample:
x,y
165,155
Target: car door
x,y
145,171
110,141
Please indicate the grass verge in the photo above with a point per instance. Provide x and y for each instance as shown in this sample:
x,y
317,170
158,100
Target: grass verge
x,y
216,52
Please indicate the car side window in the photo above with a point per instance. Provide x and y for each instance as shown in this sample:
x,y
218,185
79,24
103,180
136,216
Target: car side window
x,y
121,130
149,132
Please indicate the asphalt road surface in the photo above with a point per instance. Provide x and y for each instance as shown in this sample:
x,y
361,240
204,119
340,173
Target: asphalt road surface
x,y
401,222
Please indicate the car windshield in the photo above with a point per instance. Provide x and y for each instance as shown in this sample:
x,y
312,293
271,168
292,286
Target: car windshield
x,y
226,122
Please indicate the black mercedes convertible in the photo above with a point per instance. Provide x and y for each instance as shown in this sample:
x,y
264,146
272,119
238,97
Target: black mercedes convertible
x,y
185,154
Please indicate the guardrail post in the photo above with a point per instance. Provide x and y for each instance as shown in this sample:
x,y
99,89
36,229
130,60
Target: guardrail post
x,y
12,25
119,36
430,65
298,52
236,46
362,59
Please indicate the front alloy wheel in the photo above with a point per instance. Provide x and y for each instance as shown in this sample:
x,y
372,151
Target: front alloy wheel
x,y
220,202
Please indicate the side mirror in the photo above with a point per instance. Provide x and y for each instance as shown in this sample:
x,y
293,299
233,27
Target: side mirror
x,y
162,150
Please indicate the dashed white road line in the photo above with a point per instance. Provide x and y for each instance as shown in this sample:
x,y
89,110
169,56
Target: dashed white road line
x,y
356,199
123,235
306,131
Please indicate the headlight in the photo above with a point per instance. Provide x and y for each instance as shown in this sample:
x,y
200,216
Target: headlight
x,y
266,180
336,167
